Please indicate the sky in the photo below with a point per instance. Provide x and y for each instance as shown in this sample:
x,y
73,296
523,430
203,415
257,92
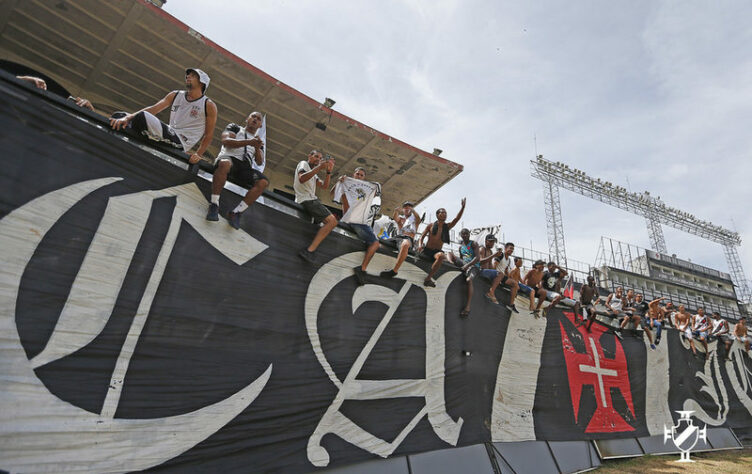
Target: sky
x,y
650,95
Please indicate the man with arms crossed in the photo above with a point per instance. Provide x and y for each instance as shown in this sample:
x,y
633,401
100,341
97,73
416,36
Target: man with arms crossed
x,y
242,158
407,223
304,183
192,117
438,235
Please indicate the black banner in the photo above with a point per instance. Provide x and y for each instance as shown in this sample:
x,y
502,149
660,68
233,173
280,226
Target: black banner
x,y
137,335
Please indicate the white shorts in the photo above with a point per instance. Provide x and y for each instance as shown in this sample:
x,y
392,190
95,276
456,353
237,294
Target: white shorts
x,y
688,333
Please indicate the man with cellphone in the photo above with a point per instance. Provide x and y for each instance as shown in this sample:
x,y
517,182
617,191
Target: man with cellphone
x,y
242,159
304,183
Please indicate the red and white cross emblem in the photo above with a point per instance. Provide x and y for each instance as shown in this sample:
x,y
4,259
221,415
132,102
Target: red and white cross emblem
x,y
602,373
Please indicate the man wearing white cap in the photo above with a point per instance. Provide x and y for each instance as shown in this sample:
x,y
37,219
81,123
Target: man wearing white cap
x,y
192,117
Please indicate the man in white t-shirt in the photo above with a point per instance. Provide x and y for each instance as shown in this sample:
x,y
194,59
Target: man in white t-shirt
x,y
304,183
503,267
242,160
358,212
192,117
407,221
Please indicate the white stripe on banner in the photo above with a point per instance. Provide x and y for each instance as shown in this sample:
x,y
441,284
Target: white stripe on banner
x,y
657,411
517,379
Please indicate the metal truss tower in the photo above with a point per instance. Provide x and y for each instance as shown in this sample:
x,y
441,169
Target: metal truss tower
x,y
656,212
554,223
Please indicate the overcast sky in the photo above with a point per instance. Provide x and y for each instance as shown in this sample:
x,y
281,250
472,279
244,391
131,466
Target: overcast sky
x,y
649,95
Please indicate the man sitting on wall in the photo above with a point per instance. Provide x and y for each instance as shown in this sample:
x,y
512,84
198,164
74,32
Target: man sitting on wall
x,y
740,334
700,327
531,285
192,117
719,328
467,261
588,299
242,159
304,183
684,325
656,315
356,195
503,269
438,235
551,282
407,226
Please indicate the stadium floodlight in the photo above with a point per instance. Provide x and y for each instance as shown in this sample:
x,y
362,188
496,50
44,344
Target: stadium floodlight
x,y
329,103
556,175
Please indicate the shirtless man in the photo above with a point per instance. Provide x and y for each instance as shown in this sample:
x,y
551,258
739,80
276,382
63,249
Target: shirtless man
x,y
638,312
503,269
531,284
468,258
438,235
684,324
407,224
588,299
656,313
740,334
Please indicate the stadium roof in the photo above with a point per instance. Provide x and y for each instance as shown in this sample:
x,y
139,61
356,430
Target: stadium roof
x,y
126,55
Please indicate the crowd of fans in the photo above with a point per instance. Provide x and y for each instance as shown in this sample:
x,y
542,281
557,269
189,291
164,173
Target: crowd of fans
x,y
242,159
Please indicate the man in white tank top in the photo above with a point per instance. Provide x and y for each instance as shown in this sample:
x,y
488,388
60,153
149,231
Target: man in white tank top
x,y
192,117
241,158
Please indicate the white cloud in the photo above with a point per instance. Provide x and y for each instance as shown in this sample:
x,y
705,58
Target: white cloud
x,y
659,93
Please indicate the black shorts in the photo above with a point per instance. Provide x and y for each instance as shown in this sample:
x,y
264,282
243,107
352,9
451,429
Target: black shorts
x,y
241,172
318,211
429,254
398,240
472,272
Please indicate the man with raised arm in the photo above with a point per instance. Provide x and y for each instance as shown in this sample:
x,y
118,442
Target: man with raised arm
x,y
356,195
467,261
656,314
242,159
192,117
503,276
305,182
438,235
407,224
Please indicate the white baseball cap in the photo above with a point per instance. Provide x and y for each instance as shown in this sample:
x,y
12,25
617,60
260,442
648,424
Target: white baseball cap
x,y
203,77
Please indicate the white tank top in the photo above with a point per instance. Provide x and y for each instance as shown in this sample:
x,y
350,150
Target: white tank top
x,y
188,119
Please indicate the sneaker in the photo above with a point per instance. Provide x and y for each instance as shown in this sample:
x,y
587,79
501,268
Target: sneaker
x,y
307,256
360,275
652,346
466,353
388,274
234,219
213,214
429,282
657,340
512,307
618,334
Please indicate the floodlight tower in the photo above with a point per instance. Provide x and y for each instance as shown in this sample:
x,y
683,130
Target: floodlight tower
x,y
556,175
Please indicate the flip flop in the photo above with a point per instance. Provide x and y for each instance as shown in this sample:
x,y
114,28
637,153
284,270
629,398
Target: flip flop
x,y
491,299
464,314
